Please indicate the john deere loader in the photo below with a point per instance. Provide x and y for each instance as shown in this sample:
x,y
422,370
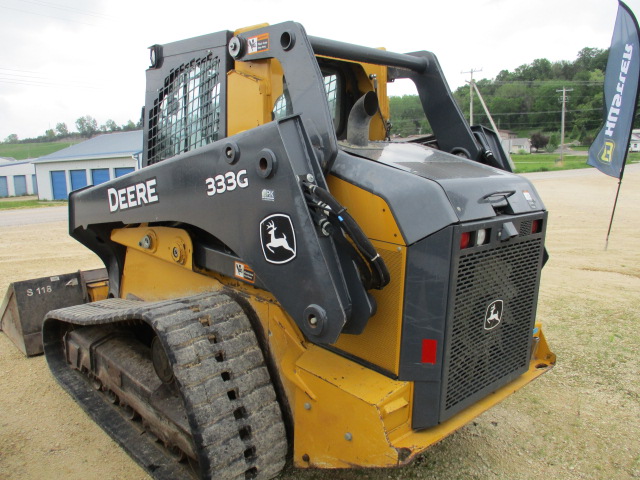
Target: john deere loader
x,y
285,280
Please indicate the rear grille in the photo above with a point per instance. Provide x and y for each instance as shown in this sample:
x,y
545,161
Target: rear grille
x,y
482,360
525,228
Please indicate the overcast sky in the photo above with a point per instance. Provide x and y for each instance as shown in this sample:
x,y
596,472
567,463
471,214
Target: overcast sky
x,y
62,59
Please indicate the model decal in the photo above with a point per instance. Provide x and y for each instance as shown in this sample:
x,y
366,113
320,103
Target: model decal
x,y
132,196
226,182
278,238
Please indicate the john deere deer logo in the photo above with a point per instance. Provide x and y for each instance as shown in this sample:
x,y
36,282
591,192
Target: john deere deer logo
x,y
493,317
278,238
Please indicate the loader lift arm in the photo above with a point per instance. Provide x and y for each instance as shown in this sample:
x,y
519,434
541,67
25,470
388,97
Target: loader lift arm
x,y
183,196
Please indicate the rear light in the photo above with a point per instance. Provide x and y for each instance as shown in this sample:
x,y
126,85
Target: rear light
x,y
536,226
429,351
481,236
474,239
465,240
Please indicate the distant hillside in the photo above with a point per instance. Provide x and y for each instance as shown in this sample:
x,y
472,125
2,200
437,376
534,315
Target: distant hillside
x,y
527,100
22,151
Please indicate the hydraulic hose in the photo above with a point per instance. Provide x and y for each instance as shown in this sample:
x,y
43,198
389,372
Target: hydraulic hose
x,y
380,273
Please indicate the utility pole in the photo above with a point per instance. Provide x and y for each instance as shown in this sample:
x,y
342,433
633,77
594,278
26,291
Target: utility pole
x,y
472,71
564,103
495,129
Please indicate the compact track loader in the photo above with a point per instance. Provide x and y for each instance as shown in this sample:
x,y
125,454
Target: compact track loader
x,y
284,281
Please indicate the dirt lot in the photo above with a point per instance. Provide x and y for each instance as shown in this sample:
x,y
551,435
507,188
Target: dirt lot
x,y
581,421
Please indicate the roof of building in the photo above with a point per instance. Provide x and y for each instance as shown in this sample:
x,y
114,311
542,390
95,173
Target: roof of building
x,y
516,141
13,164
506,134
109,145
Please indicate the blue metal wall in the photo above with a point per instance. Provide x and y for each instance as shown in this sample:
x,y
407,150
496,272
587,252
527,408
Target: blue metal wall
x,y
123,171
99,175
59,184
20,185
78,179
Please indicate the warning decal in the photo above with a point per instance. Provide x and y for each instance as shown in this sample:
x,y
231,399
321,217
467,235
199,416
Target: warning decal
x,y
529,198
257,44
244,272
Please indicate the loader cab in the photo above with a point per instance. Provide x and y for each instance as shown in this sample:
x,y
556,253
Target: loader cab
x,y
192,83
344,83
333,84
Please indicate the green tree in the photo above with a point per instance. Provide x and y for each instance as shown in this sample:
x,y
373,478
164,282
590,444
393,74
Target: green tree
x,y
13,138
50,134
111,126
62,129
538,141
592,58
582,136
407,116
575,132
87,125
525,100
129,126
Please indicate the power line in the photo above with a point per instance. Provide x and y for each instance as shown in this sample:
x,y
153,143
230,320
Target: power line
x,y
548,111
69,9
44,83
524,113
533,124
14,70
18,75
544,83
29,77
49,16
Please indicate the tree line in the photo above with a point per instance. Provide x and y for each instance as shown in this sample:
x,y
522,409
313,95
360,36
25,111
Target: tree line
x,y
86,127
527,100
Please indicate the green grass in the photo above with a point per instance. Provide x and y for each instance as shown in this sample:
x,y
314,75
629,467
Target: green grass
x,y
22,151
10,204
546,162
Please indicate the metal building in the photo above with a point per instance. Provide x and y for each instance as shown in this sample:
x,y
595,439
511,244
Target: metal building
x,y
88,163
17,179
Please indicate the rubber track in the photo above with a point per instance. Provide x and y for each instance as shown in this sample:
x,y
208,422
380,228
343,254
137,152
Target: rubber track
x,y
231,404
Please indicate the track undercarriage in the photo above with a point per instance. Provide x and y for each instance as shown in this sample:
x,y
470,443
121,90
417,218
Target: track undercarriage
x,y
180,384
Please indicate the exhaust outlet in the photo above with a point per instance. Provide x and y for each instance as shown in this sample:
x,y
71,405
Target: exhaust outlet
x,y
360,118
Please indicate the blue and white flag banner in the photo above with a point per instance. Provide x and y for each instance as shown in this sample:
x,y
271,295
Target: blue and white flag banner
x,y
608,152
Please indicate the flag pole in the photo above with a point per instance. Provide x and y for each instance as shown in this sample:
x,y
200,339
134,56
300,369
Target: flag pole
x,y
606,244
615,202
